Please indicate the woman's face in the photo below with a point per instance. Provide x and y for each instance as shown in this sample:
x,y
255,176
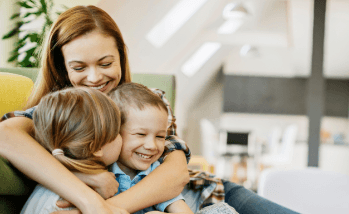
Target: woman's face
x,y
93,60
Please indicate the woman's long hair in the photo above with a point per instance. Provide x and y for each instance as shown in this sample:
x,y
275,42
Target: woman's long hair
x,y
71,24
79,121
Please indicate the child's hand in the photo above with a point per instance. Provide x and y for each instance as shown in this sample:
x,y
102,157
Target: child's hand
x,y
154,212
104,183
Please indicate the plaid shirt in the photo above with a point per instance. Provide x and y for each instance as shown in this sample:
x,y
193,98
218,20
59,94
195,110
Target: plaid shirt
x,y
211,187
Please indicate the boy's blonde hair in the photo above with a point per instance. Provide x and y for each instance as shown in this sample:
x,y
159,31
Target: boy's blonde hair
x,y
135,95
79,121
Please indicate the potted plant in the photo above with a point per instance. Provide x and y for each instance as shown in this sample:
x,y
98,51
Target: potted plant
x,y
33,21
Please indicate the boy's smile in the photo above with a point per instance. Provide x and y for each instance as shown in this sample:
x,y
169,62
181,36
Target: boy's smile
x,y
143,136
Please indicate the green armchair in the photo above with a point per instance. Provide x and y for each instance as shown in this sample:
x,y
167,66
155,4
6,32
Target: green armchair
x,y
15,188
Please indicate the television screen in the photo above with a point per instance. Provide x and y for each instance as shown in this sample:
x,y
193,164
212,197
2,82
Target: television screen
x,y
235,138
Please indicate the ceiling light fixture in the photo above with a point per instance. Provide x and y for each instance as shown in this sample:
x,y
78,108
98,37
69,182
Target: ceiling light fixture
x,y
235,10
198,59
173,20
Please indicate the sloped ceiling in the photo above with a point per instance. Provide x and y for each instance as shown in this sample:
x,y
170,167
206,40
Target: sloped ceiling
x,y
281,30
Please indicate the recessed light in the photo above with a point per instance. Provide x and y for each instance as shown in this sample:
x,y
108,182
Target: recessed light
x,y
172,21
198,59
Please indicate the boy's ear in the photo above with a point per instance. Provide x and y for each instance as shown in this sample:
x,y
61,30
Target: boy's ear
x,y
99,153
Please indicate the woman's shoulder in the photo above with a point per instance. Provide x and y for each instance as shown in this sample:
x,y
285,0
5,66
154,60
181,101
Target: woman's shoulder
x,y
27,113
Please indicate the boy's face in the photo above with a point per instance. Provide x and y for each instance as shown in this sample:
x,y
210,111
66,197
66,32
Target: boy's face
x,y
143,136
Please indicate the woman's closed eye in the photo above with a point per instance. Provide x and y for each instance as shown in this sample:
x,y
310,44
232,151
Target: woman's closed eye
x,y
106,65
79,68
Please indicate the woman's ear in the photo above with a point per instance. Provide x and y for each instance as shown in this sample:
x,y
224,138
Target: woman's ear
x,y
99,153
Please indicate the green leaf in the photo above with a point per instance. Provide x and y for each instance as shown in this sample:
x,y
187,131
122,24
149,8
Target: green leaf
x,y
33,2
13,58
28,14
34,37
15,16
26,61
12,32
43,6
23,39
24,4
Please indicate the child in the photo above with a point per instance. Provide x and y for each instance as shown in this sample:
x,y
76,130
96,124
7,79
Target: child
x,y
144,121
80,127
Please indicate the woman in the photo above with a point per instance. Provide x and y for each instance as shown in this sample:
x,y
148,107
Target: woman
x,y
86,48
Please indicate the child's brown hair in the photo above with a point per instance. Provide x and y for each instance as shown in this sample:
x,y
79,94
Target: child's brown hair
x,y
78,121
135,95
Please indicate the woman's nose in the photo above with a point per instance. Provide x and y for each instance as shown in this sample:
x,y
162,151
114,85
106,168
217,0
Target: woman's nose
x,y
94,76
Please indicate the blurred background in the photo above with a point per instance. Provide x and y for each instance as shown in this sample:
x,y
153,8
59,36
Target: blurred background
x,y
243,71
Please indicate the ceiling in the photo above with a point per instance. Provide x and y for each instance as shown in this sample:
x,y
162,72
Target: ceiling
x,y
281,30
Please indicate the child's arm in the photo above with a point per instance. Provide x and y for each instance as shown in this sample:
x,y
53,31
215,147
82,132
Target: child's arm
x,y
179,207
104,183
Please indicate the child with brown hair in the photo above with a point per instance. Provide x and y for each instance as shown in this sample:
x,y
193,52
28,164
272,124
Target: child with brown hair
x,y
80,127
144,122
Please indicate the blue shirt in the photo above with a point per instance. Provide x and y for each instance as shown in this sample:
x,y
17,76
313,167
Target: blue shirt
x,y
126,183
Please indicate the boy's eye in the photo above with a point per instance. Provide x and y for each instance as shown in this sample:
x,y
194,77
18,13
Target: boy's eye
x,y
162,137
141,134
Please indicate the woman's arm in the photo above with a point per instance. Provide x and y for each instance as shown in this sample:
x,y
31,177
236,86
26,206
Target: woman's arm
x,y
160,185
21,150
107,189
165,182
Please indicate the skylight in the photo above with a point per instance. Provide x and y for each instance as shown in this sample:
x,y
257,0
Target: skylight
x,y
173,20
198,59
230,26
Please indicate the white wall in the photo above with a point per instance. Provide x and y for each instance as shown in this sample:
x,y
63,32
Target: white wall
x,y
7,9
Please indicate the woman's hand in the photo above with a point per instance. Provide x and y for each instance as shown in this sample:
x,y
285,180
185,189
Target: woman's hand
x,y
107,209
104,183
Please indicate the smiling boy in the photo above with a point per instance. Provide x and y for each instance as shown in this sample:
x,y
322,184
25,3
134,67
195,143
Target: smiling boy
x,y
144,121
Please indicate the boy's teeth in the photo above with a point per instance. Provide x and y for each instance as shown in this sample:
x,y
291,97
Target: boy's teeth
x,y
99,87
144,156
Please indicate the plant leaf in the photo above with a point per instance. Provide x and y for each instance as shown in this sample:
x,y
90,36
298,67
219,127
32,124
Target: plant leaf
x,y
13,58
23,39
15,16
33,2
13,32
24,4
43,6
34,37
28,14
